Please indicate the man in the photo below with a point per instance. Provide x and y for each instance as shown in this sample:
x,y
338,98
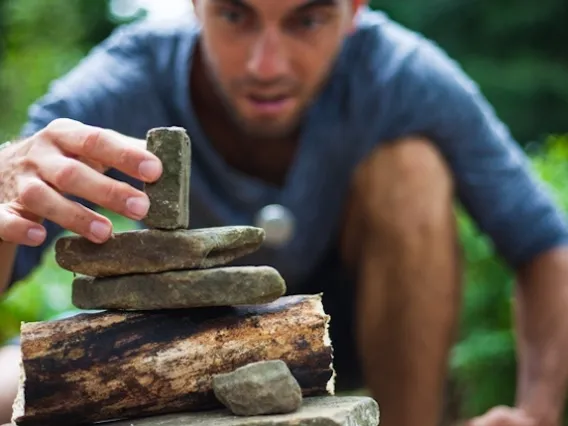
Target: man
x,y
358,128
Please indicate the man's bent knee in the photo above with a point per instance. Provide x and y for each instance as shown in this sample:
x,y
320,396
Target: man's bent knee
x,y
403,187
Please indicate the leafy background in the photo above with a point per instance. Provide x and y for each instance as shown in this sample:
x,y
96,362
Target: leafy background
x,y
512,49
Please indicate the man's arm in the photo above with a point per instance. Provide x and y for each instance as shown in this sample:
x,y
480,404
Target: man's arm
x,y
9,377
495,183
7,258
542,300
99,91
9,225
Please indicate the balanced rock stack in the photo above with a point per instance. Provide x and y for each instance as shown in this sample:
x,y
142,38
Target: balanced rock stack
x,y
168,266
180,332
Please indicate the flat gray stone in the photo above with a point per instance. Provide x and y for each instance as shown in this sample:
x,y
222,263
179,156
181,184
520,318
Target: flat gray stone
x,y
169,195
151,250
265,387
316,411
225,286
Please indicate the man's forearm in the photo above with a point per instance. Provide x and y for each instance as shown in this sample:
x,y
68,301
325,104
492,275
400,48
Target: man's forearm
x,y
542,318
7,257
9,377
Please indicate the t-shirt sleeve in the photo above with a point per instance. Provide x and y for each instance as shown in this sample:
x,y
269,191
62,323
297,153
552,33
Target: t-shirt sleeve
x,y
99,91
493,176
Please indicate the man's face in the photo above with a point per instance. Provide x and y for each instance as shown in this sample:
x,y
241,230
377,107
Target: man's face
x,y
268,58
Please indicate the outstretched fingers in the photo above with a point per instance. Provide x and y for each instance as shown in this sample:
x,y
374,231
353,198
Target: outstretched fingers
x,y
42,200
105,147
74,177
19,230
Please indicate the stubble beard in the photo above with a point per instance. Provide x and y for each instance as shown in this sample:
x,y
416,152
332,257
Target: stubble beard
x,y
256,130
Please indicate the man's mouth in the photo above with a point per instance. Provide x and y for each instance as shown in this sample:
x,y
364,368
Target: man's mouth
x,y
269,104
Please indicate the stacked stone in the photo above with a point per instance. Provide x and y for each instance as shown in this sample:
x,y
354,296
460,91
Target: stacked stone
x,y
169,266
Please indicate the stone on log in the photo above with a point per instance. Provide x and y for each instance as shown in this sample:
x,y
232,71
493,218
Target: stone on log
x,y
265,387
315,411
226,286
169,195
116,365
151,250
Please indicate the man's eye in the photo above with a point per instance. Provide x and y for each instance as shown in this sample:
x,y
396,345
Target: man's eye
x,y
308,22
232,16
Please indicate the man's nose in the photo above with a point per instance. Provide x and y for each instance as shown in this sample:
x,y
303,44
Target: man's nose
x,y
269,59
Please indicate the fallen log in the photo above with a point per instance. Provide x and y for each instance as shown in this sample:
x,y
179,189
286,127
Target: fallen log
x,y
122,365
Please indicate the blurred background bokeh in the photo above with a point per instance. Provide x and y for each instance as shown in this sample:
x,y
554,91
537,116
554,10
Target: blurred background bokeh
x,y
514,50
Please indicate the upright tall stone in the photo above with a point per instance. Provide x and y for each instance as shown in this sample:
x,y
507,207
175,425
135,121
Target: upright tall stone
x,y
169,195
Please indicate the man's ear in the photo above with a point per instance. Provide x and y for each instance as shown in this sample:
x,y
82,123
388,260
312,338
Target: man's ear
x,y
355,5
196,6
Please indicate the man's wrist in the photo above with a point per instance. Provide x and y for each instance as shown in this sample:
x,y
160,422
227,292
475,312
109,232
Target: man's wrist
x,y
542,321
543,405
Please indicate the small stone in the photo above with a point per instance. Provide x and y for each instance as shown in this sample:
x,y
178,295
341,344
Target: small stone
x,y
315,411
152,250
266,387
226,286
169,195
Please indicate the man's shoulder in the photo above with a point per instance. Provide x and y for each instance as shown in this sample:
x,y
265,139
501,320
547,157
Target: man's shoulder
x,y
151,36
381,32
132,52
120,80
391,82
387,70
388,54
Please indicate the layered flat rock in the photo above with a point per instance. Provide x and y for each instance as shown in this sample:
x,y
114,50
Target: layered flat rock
x,y
151,250
225,286
265,387
315,411
169,195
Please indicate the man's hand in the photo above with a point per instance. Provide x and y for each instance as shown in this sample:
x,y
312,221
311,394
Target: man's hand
x,y
68,157
503,416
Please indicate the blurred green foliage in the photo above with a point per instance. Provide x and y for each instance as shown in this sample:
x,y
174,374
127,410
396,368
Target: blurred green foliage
x,y
41,40
510,49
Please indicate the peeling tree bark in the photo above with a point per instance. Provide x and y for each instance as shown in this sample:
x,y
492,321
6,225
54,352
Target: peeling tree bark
x,y
118,365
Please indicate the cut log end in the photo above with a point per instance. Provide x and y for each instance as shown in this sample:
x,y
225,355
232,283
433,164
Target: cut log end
x,y
19,403
121,365
327,343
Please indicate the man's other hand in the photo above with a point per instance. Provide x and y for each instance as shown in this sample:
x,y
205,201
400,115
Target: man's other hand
x,y
504,416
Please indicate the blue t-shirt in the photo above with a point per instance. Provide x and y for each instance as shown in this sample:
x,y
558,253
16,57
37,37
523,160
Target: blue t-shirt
x,y
387,83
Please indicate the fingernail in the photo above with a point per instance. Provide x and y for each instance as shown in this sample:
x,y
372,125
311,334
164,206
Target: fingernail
x,y
138,206
150,169
36,235
100,230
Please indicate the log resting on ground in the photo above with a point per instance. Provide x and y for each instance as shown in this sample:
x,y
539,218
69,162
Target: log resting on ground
x,y
121,365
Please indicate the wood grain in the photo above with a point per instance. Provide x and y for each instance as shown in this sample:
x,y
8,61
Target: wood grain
x,y
120,365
